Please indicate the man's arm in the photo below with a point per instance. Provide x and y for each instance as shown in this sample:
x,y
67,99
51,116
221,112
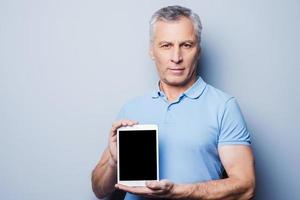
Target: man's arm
x,y
238,162
104,176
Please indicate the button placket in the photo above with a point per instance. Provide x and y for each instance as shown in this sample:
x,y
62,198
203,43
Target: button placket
x,y
168,119
168,116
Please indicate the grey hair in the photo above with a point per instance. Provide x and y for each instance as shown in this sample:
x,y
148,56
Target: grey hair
x,y
174,13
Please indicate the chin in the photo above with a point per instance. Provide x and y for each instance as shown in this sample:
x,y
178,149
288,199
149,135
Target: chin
x,y
178,81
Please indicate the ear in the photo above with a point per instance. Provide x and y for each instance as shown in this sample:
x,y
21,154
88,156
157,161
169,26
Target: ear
x,y
151,53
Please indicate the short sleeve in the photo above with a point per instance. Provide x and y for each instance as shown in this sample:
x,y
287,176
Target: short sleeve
x,y
232,128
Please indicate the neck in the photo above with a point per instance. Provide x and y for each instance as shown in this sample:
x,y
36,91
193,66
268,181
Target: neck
x,y
173,92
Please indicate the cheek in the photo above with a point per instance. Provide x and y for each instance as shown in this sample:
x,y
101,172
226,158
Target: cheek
x,y
161,62
162,55
160,68
192,60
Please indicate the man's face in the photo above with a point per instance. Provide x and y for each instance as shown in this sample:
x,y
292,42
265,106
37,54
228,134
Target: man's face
x,y
175,51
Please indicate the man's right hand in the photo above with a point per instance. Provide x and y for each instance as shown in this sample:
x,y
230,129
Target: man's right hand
x,y
104,176
113,139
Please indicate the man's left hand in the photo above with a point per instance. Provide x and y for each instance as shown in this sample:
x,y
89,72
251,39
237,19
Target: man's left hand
x,y
153,189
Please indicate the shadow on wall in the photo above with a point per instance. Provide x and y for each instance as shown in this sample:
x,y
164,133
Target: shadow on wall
x,y
207,68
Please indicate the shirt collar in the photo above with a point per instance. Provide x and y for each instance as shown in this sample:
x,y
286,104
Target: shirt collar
x,y
157,92
193,92
197,88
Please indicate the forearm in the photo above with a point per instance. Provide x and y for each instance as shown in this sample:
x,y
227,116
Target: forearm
x,y
225,189
104,177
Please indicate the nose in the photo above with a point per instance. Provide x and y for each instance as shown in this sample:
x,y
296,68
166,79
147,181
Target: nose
x,y
176,56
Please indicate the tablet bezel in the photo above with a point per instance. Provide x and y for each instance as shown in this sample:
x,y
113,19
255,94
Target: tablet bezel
x,y
136,128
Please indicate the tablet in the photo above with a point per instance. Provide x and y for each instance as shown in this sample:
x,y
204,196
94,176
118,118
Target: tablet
x,y
138,159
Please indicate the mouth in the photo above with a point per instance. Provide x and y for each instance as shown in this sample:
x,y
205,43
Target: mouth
x,y
176,70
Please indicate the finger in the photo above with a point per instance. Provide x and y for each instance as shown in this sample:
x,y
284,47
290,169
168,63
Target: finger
x,y
114,138
114,128
154,185
123,122
116,125
166,182
129,123
120,124
140,190
159,185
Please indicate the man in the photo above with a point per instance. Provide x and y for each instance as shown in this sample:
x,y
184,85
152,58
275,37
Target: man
x,y
202,130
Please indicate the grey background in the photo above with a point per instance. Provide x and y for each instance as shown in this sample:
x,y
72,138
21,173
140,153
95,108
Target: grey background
x,y
66,68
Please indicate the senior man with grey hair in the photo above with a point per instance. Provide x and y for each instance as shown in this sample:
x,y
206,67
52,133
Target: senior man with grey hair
x,y
203,134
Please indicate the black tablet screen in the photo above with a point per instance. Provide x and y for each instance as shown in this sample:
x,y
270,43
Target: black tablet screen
x,y
137,155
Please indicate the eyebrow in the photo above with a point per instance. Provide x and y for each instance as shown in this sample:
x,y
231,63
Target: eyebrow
x,y
189,41
185,41
163,42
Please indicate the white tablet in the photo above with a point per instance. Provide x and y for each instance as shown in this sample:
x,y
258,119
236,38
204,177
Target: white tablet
x,y
138,159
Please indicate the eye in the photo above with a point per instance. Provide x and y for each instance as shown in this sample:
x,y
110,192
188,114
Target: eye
x,y
187,45
165,46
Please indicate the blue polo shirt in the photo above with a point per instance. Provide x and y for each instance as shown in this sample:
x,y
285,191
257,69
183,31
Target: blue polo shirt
x,y
191,129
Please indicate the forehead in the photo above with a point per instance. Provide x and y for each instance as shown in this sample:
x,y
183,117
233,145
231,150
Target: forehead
x,y
182,29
